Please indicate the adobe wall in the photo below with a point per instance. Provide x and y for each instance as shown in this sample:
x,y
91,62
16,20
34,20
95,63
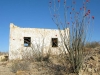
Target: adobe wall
x,y
16,41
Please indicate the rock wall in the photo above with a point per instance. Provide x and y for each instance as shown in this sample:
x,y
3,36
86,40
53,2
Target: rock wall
x,y
40,41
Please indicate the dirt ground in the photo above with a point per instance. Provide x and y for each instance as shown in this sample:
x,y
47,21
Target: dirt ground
x,y
91,66
5,68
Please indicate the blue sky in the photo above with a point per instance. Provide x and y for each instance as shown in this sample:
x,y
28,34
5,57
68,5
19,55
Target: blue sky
x,y
35,14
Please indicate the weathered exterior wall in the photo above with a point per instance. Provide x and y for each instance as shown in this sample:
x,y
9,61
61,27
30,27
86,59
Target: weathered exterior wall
x,y
16,42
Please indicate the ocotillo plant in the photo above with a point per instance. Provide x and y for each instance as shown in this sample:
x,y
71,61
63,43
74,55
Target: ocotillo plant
x,y
78,21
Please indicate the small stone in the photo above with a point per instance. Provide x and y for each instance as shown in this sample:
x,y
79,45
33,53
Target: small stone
x,y
94,74
89,70
95,70
92,58
22,73
3,57
98,60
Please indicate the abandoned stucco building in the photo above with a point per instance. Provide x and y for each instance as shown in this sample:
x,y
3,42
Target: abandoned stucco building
x,y
24,40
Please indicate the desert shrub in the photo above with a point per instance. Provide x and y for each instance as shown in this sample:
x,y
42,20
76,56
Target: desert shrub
x,y
3,53
92,44
59,67
19,65
36,54
46,58
32,54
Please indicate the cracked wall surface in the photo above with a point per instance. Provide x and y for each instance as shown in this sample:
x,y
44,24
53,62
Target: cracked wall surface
x,y
40,39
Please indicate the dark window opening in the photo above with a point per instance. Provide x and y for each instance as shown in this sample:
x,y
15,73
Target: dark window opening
x,y
27,41
54,42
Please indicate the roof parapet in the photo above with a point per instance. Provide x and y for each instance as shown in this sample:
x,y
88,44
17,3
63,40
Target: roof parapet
x,y
13,26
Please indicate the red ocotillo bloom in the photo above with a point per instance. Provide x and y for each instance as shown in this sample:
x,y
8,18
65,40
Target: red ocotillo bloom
x,y
87,0
68,23
77,13
92,17
54,15
73,2
67,7
64,1
58,0
86,14
50,2
88,11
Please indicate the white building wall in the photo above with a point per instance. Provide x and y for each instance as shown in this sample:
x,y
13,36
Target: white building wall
x,y
17,34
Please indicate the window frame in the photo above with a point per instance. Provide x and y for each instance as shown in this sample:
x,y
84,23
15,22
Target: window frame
x,y
26,44
55,43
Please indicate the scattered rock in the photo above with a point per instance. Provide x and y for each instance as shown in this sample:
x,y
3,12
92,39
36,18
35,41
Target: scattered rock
x,y
3,57
99,52
95,70
22,73
89,70
92,58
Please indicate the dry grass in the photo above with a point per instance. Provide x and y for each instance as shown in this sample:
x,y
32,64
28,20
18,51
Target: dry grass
x,y
19,66
92,44
57,65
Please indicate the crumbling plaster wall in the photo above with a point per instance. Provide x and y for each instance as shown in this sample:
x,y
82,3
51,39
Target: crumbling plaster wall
x,y
40,37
